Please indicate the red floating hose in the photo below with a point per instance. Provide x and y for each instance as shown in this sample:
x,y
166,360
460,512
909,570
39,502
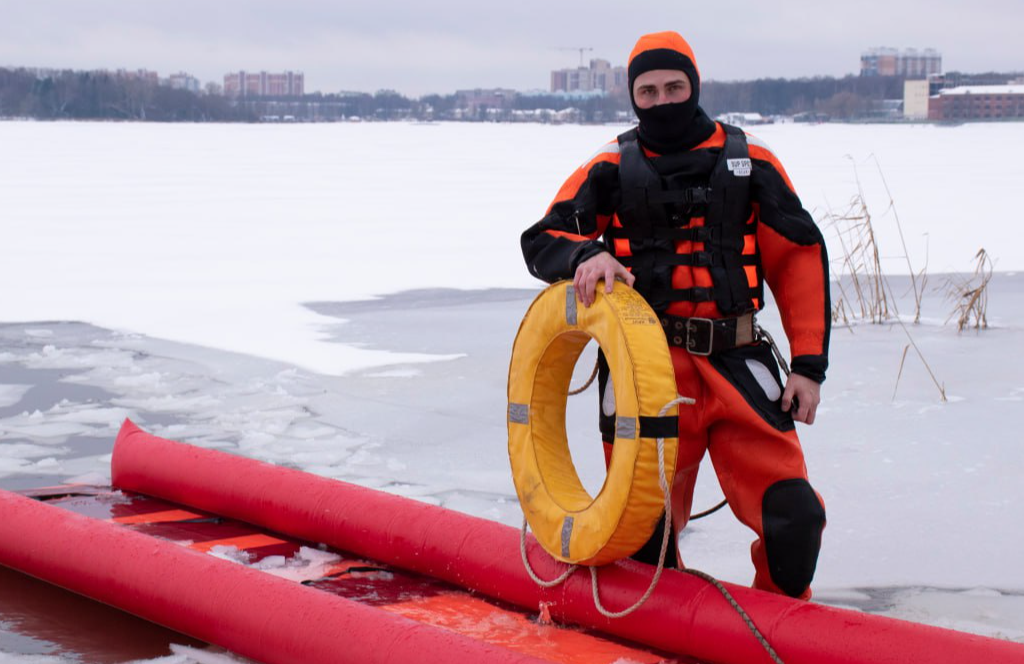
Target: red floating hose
x,y
258,615
685,615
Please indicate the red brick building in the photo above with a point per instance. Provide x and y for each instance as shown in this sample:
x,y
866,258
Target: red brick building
x,y
978,102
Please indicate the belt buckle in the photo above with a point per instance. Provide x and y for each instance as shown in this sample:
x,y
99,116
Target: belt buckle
x,y
693,326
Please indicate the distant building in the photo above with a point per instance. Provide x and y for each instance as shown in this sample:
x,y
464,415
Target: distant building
x,y
264,84
473,101
909,63
915,99
183,81
599,76
978,102
883,109
961,79
546,115
743,119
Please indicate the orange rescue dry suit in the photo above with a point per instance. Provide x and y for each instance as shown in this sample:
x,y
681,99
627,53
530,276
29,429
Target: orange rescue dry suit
x,y
702,229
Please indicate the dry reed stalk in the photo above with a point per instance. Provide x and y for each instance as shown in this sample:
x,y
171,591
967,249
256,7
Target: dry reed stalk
x,y
941,387
899,374
970,294
861,262
918,292
861,265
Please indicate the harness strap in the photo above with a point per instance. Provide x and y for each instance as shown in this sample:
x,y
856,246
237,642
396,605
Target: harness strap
x,y
729,210
638,180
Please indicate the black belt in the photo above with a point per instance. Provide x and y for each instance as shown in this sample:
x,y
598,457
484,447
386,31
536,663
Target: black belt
x,y
704,336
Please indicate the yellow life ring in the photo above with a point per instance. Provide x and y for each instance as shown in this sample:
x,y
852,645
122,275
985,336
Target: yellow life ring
x,y
569,523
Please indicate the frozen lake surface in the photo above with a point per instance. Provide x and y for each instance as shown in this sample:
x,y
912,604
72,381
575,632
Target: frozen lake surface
x,y
213,234
343,299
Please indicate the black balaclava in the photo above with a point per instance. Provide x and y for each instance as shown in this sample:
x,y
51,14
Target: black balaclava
x,y
675,127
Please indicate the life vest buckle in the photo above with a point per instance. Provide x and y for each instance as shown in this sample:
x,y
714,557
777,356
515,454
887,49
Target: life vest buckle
x,y
700,195
700,335
703,259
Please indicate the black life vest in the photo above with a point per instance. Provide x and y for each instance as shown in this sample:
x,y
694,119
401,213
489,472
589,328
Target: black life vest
x,y
655,213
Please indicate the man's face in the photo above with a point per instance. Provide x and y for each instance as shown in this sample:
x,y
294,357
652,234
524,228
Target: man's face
x,y
661,86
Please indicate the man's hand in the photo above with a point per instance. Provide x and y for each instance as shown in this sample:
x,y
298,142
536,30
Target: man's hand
x,y
601,266
807,394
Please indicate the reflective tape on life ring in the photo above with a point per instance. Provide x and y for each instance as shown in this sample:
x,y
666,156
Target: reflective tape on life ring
x,y
569,523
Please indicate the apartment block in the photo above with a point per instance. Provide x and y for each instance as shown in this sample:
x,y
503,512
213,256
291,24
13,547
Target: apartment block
x,y
486,98
183,81
909,63
599,76
264,84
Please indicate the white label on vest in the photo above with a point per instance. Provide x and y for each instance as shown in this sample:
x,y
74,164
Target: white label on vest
x,y
739,167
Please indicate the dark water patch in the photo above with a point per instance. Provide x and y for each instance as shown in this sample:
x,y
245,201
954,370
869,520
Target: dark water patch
x,y
48,389
38,618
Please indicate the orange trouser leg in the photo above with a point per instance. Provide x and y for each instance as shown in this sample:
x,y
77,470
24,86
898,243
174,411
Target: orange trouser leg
x,y
693,436
761,470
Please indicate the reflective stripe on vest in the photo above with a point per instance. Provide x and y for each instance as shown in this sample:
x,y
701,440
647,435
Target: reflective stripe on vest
x,y
651,226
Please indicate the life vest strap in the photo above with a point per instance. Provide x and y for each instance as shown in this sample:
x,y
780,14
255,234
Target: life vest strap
x,y
694,259
688,196
696,294
691,233
653,210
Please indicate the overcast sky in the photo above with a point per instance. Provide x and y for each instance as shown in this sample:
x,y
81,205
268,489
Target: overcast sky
x,y
423,46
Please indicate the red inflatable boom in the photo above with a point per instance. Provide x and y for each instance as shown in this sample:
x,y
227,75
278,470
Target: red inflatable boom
x,y
685,615
280,622
269,619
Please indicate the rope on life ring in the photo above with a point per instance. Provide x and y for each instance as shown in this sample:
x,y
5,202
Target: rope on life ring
x,y
569,523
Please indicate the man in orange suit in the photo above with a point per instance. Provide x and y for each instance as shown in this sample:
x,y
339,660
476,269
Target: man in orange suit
x,y
698,216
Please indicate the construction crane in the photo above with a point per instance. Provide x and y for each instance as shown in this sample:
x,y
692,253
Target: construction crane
x,y
581,49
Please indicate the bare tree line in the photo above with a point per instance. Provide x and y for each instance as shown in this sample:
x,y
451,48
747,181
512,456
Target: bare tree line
x,y
81,95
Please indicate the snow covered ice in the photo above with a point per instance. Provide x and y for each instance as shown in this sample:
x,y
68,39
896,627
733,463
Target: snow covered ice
x,y
343,299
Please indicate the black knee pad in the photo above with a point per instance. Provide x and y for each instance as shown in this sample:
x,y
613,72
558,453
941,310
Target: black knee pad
x,y
793,518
